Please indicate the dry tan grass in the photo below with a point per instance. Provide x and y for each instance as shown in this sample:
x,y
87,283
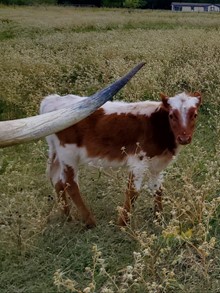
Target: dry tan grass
x,y
67,50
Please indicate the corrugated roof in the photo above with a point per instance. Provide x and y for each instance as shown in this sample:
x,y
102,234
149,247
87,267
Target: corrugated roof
x,y
193,4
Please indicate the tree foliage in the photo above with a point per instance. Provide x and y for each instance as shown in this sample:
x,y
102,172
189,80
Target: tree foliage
x,y
134,3
112,3
150,4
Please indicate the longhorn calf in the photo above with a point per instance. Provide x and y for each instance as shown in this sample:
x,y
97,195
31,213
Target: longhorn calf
x,y
143,136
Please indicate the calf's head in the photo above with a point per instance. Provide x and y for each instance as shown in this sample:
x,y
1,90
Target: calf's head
x,y
182,110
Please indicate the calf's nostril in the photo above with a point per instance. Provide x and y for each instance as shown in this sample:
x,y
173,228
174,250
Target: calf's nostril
x,y
179,138
182,139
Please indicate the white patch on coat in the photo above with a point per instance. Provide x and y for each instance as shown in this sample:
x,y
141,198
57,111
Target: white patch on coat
x,y
156,165
65,156
183,102
154,182
55,102
139,164
138,108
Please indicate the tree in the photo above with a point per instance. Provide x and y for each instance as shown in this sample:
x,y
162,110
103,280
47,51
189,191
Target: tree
x,y
134,3
110,3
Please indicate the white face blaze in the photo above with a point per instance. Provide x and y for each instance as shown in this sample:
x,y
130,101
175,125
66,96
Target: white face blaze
x,y
183,102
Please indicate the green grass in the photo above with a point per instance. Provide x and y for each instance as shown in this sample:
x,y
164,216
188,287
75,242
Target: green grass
x,y
48,50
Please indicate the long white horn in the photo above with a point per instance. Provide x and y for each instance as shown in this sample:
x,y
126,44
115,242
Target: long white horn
x,y
23,130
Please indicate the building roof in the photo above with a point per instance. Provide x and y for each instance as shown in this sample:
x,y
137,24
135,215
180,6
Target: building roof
x,y
194,4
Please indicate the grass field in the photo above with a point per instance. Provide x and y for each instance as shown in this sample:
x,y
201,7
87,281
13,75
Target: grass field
x,y
64,50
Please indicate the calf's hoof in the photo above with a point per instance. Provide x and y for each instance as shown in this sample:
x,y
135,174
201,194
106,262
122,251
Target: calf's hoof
x,y
90,222
123,220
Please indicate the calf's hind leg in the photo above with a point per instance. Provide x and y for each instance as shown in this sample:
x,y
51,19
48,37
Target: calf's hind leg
x,y
60,190
72,189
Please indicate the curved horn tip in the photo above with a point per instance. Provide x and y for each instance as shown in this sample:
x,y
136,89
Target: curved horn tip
x,y
139,66
142,63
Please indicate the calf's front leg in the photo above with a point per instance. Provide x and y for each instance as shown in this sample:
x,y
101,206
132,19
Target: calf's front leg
x,y
156,189
131,195
158,205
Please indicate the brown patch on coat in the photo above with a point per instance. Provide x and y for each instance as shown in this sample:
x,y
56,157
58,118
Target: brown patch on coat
x,y
104,135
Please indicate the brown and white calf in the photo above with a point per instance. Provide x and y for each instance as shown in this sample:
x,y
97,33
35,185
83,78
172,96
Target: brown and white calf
x,y
143,136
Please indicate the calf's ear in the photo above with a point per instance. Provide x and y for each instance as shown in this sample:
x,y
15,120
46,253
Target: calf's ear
x,y
164,99
199,96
